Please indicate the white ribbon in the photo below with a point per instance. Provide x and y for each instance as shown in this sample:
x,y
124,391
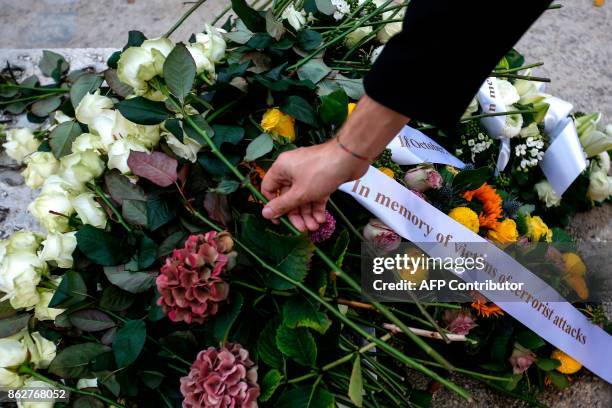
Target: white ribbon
x,y
552,318
411,146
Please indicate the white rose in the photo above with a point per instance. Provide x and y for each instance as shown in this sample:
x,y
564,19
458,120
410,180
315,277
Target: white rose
x,y
40,165
118,154
13,353
135,67
508,93
89,210
42,311
389,30
87,383
61,117
212,42
600,186
595,142
87,141
56,184
187,150
42,351
23,241
203,63
601,163
147,136
380,236
57,202
81,167
528,91
530,131
376,53
512,125
103,126
36,384
546,194
20,143
356,36
59,248
159,48
10,379
19,274
91,106
296,19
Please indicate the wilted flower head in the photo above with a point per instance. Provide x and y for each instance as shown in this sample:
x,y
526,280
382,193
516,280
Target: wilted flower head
x,y
190,282
325,230
382,237
521,359
221,378
459,322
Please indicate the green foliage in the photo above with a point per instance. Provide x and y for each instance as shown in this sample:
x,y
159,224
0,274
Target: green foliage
x,y
100,246
129,341
61,138
334,107
86,83
297,344
75,361
179,71
143,111
300,311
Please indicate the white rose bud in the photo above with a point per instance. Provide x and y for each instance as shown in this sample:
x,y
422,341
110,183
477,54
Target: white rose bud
x,y
160,48
512,125
147,136
91,106
528,91
296,19
188,150
23,241
42,351
423,178
212,42
382,237
89,210
389,30
20,143
200,57
595,141
40,165
42,311
33,383
9,378
356,36
59,204
59,248
19,274
135,67
13,353
118,154
600,186
601,163
88,141
56,184
546,194
103,126
508,93
81,167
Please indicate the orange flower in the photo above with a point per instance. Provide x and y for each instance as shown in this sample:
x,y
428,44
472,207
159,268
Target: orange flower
x,y
485,308
491,205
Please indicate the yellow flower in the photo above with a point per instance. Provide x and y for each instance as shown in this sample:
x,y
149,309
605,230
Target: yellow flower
x,y
452,170
420,274
351,108
568,364
579,285
277,123
466,217
504,233
537,229
573,264
387,172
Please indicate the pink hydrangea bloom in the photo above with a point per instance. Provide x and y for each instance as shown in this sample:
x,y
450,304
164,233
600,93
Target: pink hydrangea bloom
x,y
326,230
221,378
190,283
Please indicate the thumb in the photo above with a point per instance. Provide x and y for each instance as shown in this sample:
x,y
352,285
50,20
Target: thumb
x,y
282,205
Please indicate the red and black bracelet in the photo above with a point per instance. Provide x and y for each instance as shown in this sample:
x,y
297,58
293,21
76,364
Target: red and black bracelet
x,y
349,151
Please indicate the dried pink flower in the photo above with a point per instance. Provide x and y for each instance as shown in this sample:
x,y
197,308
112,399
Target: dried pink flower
x,y
221,378
326,230
190,282
383,238
459,322
521,359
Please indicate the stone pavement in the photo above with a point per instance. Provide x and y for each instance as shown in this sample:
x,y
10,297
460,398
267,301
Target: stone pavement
x,y
574,42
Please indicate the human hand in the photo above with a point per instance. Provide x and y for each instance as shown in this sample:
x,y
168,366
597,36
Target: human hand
x,y
305,178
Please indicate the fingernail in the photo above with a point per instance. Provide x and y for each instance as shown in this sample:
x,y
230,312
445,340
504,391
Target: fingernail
x,y
267,212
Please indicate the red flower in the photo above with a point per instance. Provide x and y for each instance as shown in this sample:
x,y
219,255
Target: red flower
x,y
221,378
190,283
326,230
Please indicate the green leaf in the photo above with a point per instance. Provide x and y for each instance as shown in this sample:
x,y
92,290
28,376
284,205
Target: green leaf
x,y
44,107
121,188
289,254
118,87
300,109
86,83
226,187
259,147
314,70
269,384
74,361
306,397
174,126
547,364
135,212
340,247
71,290
179,71
91,320
274,28
224,320
251,18
62,136
159,213
334,108
151,379
201,123
300,311
53,65
133,282
13,324
266,345
309,40
529,339
559,380
143,111
115,299
298,344
101,247
471,179
129,341
147,252
325,6
355,390
227,134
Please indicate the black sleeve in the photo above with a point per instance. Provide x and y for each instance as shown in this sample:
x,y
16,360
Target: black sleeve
x,y
432,69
